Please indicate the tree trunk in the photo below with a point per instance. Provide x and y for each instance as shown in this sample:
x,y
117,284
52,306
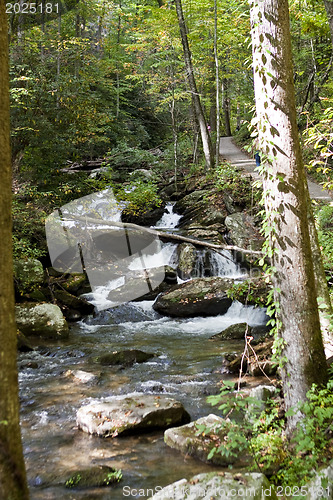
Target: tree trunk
x,y
286,203
205,137
217,82
329,11
13,484
226,107
322,292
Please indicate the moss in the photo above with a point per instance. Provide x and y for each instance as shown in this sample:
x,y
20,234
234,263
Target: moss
x,y
94,477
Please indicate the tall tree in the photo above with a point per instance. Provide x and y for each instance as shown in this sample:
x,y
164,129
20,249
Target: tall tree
x,y
286,202
13,484
199,114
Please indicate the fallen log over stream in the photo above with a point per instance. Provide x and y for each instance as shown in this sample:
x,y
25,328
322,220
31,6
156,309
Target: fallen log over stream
x,y
166,237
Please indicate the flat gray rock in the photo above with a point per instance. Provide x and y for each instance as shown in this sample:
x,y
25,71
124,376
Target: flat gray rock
x,y
131,414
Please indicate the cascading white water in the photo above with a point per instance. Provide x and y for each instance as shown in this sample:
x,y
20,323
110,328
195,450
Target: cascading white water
x,y
169,219
222,264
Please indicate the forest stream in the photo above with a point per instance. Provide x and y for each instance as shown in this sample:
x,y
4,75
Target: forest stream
x,y
57,378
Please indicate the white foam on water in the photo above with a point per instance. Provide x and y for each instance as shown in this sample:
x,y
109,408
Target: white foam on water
x,y
162,258
169,219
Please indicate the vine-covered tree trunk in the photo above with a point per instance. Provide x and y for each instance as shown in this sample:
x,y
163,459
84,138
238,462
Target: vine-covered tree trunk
x,y
12,471
205,137
286,203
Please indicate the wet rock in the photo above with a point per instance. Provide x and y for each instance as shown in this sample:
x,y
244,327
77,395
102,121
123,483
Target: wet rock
x,y
189,441
170,275
74,283
131,414
81,376
28,274
70,303
198,297
234,332
97,476
23,344
148,218
213,233
125,358
189,200
243,231
220,485
187,256
42,320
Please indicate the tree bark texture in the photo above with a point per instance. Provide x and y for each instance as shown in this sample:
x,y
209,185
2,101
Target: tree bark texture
x,y
205,137
13,484
286,202
329,11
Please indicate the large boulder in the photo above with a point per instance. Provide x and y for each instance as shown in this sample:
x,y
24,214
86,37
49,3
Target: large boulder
x,y
219,485
189,441
243,231
28,274
131,414
198,297
42,320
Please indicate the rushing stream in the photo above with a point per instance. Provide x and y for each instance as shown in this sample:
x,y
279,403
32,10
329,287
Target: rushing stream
x,y
59,377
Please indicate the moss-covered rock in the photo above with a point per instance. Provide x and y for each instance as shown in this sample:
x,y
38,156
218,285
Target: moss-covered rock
x,y
198,297
125,358
126,415
70,302
234,332
97,476
74,282
42,320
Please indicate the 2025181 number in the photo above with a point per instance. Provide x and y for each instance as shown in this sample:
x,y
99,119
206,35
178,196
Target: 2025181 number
x,y
32,8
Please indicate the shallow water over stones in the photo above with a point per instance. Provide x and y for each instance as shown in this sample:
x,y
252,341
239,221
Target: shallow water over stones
x,y
57,378
186,367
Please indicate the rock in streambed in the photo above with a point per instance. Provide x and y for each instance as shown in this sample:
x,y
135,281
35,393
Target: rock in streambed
x,y
198,297
131,414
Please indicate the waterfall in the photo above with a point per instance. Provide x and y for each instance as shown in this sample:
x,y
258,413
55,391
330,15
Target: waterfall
x,y
223,264
169,219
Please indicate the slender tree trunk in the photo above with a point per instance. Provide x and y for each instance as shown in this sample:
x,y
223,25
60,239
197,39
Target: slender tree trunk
x,y
226,107
286,203
59,59
205,137
217,82
13,484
